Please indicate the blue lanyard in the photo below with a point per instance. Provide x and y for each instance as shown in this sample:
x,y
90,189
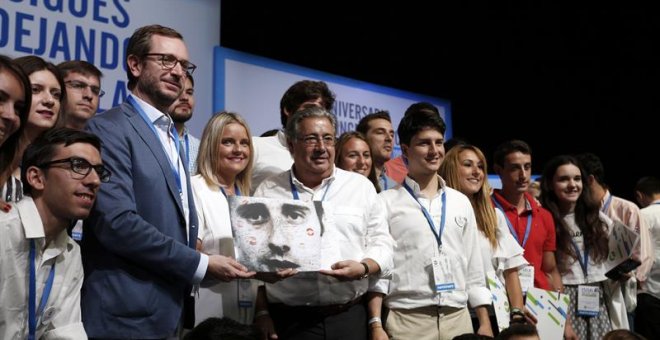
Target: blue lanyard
x,y
187,146
429,219
607,204
175,136
382,175
32,313
528,228
237,192
294,190
580,258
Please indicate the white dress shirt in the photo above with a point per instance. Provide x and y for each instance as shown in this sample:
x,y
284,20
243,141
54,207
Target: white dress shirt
x,y
61,318
271,157
412,284
652,216
360,231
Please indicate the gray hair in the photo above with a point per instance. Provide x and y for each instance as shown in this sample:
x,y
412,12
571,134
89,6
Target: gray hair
x,y
293,124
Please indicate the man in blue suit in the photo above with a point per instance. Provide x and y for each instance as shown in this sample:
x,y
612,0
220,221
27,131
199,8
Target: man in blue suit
x,y
138,248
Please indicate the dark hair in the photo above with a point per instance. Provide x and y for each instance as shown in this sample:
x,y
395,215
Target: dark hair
x,y
301,92
9,149
31,64
472,336
592,167
363,124
587,217
508,147
269,133
622,334
43,148
421,106
139,44
192,80
518,329
452,142
648,185
79,66
411,124
223,329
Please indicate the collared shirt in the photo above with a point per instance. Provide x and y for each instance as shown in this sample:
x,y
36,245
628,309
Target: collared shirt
x,y
396,168
61,318
628,213
360,231
271,157
411,285
385,182
164,126
191,150
542,234
651,215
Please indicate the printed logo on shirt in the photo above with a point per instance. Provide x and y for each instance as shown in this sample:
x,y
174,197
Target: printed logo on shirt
x,y
461,221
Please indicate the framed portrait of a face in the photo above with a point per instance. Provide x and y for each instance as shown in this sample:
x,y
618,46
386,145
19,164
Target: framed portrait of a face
x,y
271,234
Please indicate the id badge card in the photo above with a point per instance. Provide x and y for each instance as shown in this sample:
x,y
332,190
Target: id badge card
x,y
588,300
526,275
245,297
442,276
77,231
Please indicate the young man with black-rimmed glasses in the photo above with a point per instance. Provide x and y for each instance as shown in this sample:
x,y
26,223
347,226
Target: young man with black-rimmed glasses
x,y
61,173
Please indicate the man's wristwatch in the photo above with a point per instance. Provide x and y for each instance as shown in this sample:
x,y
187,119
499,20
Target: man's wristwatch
x,y
366,270
516,315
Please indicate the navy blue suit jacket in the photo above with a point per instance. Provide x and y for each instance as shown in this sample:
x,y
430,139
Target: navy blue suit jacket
x,y
138,264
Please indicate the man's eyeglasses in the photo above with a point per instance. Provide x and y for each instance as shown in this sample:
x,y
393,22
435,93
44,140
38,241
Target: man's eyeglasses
x,y
313,140
81,86
81,167
169,62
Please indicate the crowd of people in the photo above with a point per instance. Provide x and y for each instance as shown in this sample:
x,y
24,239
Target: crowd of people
x,y
117,225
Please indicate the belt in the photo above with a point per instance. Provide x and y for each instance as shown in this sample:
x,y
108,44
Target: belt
x,y
325,310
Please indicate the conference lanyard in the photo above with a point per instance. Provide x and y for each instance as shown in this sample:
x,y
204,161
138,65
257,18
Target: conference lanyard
x,y
584,264
382,175
607,204
294,190
32,313
528,228
187,146
237,192
175,135
429,219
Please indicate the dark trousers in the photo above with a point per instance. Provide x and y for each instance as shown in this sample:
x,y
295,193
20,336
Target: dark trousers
x,y
311,323
646,316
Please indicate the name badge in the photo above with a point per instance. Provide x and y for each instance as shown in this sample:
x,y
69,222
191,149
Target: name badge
x,y
77,231
588,300
245,297
526,276
442,273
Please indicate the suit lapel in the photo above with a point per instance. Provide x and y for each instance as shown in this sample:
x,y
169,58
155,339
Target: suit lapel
x,y
156,148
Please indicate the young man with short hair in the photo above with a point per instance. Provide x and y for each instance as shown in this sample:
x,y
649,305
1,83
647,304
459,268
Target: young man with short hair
x,y
41,266
377,127
83,92
437,265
